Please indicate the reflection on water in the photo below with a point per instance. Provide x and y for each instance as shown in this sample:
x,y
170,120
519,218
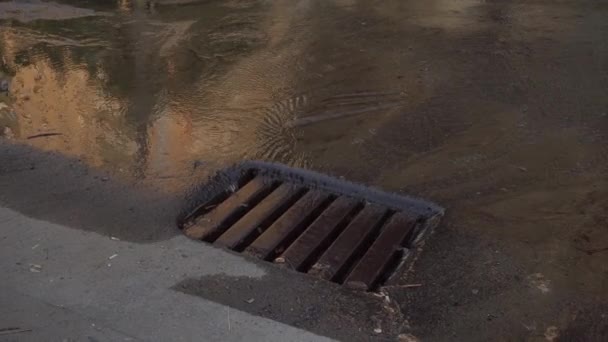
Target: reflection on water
x,y
147,89
144,91
152,90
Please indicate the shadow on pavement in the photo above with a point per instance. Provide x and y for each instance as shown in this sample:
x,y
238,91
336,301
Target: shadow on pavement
x,y
55,188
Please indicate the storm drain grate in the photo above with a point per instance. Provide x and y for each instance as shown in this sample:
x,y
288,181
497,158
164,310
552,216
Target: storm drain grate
x,y
311,223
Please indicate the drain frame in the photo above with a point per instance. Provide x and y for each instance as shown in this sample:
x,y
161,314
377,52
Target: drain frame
x,y
262,210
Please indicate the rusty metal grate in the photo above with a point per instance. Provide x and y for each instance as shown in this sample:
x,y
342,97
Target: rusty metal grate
x,y
311,223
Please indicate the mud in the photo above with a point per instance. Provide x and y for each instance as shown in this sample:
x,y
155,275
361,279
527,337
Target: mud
x,y
498,111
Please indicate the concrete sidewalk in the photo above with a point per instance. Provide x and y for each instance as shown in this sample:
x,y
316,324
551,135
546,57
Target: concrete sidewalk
x,y
72,285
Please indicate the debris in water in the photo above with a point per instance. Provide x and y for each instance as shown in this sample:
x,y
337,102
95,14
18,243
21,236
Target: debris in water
x,y
4,85
41,135
592,250
522,169
405,286
8,133
198,163
114,238
35,246
407,338
378,331
538,281
250,300
552,333
113,256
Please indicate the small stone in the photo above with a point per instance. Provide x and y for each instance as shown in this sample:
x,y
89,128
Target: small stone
x,y
35,268
197,163
407,338
552,333
8,133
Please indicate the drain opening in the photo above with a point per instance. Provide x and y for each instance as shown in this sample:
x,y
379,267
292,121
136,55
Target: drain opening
x,y
360,250
218,193
241,210
265,220
310,223
290,225
301,259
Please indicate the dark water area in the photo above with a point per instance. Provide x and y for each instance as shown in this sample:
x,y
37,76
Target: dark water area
x,y
496,110
359,89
